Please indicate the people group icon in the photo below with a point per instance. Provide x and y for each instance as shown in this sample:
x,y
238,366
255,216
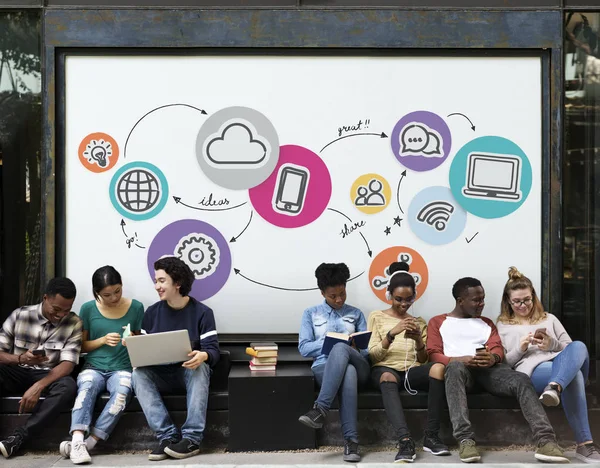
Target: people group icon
x,y
370,195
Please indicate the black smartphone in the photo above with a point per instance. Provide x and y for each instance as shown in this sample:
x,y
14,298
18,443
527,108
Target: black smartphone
x,y
482,348
39,352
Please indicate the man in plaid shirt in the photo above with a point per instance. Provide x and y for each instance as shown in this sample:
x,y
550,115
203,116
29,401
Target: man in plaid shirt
x,y
39,347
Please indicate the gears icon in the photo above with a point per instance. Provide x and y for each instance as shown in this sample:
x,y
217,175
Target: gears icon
x,y
200,252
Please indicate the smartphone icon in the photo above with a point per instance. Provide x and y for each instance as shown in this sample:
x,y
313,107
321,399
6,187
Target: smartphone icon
x,y
290,189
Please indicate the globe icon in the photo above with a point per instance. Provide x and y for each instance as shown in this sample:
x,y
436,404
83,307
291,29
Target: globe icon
x,y
138,190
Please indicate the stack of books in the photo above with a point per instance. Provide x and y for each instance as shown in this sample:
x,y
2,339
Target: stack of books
x,y
264,356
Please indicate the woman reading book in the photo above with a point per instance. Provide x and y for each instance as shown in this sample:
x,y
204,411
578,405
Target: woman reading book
x,y
345,368
399,356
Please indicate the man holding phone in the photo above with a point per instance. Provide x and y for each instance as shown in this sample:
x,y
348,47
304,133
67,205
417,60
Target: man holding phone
x,y
470,347
39,347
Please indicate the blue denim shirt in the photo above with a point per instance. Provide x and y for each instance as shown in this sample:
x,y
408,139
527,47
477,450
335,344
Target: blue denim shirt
x,y
322,318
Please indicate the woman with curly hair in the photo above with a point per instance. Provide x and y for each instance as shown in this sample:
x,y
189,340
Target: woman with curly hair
x,y
345,368
538,345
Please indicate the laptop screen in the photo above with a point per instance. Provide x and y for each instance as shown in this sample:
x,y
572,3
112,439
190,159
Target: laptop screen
x,y
493,172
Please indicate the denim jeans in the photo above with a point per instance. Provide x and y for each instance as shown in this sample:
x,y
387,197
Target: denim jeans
x,y
90,383
569,369
343,372
499,380
149,382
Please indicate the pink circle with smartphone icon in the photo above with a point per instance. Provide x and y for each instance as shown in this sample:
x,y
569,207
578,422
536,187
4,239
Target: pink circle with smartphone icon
x,y
297,191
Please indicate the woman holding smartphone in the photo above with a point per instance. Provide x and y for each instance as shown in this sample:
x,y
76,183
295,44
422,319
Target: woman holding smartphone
x,y
538,345
399,356
107,366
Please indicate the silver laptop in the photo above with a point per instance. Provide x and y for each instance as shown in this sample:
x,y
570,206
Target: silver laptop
x,y
159,348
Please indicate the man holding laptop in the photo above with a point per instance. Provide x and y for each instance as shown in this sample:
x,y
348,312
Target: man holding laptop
x,y
176,311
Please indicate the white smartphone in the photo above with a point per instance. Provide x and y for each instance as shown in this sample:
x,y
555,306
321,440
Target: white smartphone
x,y
290,189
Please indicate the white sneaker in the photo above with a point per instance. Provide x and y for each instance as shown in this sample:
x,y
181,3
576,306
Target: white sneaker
x,y
79,453
65,448
550,396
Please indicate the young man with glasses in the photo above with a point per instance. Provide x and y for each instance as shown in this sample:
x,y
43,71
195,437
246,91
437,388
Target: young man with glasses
x,y
470,347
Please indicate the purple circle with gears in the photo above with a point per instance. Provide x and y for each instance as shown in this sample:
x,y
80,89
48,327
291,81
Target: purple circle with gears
x,y
202,247
421,141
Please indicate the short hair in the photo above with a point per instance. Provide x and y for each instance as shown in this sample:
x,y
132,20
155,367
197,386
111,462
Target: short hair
x,y
179,272
103,277
61,285
331,274
461,286
401,280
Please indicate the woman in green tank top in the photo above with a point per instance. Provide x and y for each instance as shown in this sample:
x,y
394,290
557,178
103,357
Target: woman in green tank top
x,y
107,366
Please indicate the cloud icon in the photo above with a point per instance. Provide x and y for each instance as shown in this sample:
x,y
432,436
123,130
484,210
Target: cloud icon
x,y
236,145
417,139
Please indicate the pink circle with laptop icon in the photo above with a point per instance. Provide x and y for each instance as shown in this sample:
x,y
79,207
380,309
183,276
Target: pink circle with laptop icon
x,y
297,191
490,177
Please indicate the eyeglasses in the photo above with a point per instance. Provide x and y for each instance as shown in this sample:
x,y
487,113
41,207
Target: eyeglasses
x,y
527,301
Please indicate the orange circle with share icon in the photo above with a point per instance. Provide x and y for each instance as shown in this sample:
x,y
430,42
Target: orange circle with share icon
x,y
379,275
98,152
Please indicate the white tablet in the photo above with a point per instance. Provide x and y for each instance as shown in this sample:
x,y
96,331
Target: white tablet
x,y
159,348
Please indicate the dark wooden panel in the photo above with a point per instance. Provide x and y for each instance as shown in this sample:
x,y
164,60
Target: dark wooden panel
x,y
20,3
475,4
176,3
303,28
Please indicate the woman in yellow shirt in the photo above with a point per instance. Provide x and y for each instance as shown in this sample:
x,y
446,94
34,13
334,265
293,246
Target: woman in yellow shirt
x,y
399,357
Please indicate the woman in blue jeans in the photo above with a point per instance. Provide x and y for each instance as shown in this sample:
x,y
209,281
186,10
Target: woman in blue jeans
x,y
344,369
107,366
538,345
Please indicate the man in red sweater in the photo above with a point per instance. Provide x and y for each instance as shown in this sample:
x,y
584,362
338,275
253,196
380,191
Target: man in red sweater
x,y
470,348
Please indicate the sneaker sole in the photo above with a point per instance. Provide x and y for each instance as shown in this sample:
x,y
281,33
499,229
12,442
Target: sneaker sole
x,y
310,423
352,459
471,459
551,459
152,457
549,400
406,460
585,459
82,461
441,452
63,449
181,456
3,450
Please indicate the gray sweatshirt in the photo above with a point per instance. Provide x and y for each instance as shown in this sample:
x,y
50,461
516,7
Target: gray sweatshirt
x,y
527,361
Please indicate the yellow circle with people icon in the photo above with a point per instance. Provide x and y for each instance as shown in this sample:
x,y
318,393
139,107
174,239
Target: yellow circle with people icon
x,y
370,193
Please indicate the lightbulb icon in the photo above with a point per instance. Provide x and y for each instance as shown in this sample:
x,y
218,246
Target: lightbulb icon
x,y
98,151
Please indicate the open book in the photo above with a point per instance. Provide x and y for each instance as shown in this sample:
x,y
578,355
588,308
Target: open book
x,y
360,339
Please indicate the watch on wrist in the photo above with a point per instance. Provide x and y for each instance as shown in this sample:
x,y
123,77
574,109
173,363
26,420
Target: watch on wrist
x,y
389,337
496,358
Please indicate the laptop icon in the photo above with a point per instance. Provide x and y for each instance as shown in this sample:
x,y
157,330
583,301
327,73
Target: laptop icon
x,y
493,176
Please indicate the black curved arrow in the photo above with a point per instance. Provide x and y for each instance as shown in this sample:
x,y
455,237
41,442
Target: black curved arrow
x,y
238,272
398,191
458,113
380,135
235,238
130,240
178,201
202,111
369,251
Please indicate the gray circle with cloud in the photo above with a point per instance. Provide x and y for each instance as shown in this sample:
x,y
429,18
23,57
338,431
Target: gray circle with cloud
x,y
237,148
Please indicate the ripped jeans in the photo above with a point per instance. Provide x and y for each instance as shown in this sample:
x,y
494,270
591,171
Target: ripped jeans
x,y
91,383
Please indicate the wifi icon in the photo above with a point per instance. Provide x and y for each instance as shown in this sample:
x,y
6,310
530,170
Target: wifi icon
x,y
436,214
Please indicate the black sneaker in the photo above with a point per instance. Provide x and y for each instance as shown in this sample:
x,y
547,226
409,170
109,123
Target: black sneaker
x,y
158,453
184,449
351,451
407,451
433,444
11,444
314,418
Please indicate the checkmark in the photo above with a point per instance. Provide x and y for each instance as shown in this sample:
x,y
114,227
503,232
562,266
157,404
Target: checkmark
x,y
469,240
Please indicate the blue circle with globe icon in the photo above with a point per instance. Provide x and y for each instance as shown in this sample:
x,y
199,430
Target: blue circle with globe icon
x,y
139,190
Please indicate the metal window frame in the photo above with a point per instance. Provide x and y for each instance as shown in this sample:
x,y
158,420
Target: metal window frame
x,y
421,32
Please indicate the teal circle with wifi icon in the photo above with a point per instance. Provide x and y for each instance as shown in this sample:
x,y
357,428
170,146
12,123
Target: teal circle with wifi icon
x,y
435,217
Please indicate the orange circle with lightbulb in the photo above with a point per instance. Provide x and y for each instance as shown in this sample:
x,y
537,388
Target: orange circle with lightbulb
x,y
379,275
98,152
